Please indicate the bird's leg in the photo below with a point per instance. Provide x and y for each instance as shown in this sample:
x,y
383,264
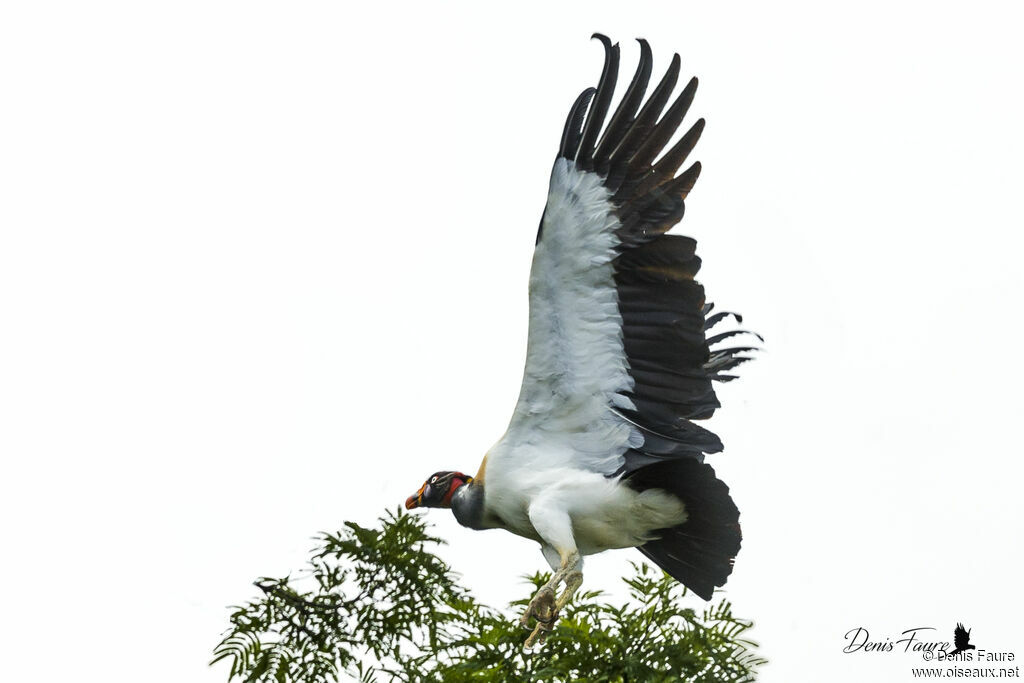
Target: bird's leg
x,y
573,581
568,567
553,525
545,607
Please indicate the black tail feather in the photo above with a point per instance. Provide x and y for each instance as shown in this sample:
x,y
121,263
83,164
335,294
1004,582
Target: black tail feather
x,y
699,553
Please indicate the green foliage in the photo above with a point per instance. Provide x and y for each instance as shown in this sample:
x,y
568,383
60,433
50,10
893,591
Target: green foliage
x,y
379,605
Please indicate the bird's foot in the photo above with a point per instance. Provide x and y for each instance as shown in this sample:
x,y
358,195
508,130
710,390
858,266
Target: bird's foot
x,y
541,608
544,610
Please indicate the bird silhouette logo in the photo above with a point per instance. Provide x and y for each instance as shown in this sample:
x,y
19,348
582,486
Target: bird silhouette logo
x,y
961,640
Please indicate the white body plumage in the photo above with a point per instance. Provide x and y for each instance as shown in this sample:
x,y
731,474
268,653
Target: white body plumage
x,y
548,477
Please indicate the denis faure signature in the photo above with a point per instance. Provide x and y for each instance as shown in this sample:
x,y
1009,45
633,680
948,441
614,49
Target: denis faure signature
x,y
927,642
919,639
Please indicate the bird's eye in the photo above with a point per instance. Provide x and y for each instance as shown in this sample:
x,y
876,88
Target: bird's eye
x,y
433,480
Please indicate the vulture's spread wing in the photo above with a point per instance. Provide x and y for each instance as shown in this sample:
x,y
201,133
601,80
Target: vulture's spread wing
x,y
618,361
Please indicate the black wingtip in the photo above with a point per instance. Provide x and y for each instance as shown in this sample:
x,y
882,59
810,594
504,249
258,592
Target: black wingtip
x,y
573,130
663,131
687,179
622,119
596,115
645,121
670,162
646,57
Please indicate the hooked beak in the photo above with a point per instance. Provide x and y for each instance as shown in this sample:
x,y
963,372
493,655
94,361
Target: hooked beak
x,y
414,500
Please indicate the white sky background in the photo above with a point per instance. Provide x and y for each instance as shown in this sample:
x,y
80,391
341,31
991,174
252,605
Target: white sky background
x,y
263,269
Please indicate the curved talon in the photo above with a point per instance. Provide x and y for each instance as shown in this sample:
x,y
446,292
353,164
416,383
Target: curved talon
x,y
544,610
543,600
537,638
549,621
539,635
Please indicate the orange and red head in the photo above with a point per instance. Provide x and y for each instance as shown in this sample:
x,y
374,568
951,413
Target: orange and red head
x,y
437,490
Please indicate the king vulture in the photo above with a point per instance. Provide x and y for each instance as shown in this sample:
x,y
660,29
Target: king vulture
x,y
603,450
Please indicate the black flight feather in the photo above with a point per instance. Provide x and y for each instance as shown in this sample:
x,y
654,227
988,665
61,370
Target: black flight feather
x,y
624,113
664,130
603,98
573,125
641,126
